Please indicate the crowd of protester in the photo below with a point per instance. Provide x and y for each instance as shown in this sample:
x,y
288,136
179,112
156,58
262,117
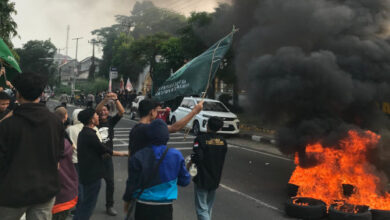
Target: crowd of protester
x,y
52,169
88,100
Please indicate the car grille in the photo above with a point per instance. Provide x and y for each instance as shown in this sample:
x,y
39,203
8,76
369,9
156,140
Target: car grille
x,y
230,128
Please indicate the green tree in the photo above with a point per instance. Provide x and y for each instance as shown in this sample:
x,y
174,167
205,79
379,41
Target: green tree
x,y
7,24
106,38
124,59
145,51
144,21
147,19
192,43
36,56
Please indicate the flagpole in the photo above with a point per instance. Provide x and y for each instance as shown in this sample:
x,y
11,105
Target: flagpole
x,y
210,73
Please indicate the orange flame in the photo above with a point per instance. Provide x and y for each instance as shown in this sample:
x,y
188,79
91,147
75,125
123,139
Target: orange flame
x,y
345,164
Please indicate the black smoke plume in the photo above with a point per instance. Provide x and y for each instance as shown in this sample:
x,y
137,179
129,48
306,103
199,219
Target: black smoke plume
x,y
314,68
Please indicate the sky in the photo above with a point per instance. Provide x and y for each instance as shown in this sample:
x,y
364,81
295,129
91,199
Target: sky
x,y
48,19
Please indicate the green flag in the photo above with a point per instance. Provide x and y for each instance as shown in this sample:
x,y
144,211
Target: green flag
x,y
7,56
194,77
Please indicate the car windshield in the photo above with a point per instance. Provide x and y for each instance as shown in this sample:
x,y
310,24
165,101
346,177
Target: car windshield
x,y
214,106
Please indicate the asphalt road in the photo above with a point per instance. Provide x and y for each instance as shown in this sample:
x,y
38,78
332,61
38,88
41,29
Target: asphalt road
x,y
253,184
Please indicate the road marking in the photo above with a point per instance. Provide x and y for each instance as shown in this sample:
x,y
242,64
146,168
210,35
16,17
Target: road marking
x,y
251,198
122,131
260,152
184,142
119,129
122,135
121,145
176,138
169,143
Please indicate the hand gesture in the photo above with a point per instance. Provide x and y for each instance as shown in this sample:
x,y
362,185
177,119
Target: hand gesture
x,y
111,96
114,96
198,107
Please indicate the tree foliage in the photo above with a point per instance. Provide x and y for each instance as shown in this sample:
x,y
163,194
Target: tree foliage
x,y
147,19
36,56
7,24
161,39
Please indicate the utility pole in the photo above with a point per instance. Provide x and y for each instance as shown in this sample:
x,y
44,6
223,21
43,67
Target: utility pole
x,y
67,40
76,69
92,67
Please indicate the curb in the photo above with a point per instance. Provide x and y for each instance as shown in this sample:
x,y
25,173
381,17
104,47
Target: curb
x,y
259,138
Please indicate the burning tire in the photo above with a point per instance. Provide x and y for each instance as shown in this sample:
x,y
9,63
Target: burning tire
x,y
349,212
380,214
292,190
305,208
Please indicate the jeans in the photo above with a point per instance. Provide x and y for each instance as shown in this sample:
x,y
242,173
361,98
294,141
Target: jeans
x,y
109,179
204,200
33,212
87,205
153,212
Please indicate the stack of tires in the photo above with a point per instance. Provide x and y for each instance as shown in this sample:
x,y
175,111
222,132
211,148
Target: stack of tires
x,y
312,208
349,212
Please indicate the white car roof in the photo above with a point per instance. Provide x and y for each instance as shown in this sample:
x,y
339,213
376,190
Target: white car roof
x,y
198,99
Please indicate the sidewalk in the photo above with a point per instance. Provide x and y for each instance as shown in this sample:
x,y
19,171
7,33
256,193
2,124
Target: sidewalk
x,y
264,136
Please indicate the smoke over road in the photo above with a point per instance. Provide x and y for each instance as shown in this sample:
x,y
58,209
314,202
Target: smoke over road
x,y
315,68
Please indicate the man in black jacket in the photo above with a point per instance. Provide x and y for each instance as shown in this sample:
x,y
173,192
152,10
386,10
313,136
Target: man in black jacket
x,y
31,142
209,156
90,154
106,129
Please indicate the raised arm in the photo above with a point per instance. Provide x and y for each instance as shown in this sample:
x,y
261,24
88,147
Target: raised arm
x,y
180,124
118,105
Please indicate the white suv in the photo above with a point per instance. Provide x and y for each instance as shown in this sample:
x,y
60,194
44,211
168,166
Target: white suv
x,y
211,108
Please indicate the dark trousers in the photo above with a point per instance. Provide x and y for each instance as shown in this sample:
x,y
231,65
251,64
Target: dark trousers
x,y
61,215
109,179
153,212
80,188
87,205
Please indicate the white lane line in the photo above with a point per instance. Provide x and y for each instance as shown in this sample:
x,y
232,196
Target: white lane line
x,y
121,145
122,132
177,138
124,142
260,152
117,129
184,142
169,143
251,198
